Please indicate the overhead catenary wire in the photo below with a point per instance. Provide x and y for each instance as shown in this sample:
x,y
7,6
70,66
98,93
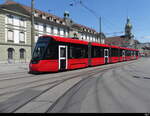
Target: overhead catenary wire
x,y
111,25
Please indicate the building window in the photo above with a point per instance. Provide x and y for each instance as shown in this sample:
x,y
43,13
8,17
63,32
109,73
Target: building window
x,y
55,20
41,15
88,39
61,32
10,53
10,35
64,31
36,14
103,41
67,33
58,32
10,19
85,37
81,36
36,37
75,35
55,31
36,26
22,22
44,26
61,22
52,29
41,27
22,53
44,17
48,18
51,19
48,29
22,37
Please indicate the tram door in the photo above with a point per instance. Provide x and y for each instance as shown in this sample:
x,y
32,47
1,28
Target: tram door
x,y
123,55
63,57
106,56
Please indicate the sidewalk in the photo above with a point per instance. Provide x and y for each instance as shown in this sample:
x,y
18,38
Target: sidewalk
x,y
14,67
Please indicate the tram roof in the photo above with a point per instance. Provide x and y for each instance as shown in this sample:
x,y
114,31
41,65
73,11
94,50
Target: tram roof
x,y
115,47
101,45
76,41
67,40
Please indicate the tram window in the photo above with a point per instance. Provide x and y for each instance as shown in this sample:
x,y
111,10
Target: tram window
x,y
97,52
77,52
51,52
134,53
114,52
39,50
63,52
137,53
128,53
71,52
106,53
120,52
101,52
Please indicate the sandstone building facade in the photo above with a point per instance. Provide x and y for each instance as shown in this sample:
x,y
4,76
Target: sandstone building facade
x,y
15,30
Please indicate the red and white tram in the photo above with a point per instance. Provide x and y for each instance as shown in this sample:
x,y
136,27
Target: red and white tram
x,y
53,53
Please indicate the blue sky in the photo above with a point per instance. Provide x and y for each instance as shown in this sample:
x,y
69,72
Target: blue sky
x,y
113,13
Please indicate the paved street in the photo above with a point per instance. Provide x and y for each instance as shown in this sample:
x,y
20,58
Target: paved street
x,y
120,87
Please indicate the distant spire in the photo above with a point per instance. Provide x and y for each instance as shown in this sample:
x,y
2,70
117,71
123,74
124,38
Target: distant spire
x,y
128,19
128,24
128,28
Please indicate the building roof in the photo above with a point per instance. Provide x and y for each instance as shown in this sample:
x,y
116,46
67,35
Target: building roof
x,y
39,12
82,26
118,40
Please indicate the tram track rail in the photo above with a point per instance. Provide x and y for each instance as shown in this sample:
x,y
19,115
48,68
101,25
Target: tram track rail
x,y
77,87
38,80
74,89
86,78
88,74
28,75
58,82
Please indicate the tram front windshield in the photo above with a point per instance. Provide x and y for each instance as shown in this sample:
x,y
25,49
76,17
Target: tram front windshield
x,y
39,49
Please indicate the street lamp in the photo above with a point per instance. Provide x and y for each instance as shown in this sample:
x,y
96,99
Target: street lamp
x,y
100,29
32,27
